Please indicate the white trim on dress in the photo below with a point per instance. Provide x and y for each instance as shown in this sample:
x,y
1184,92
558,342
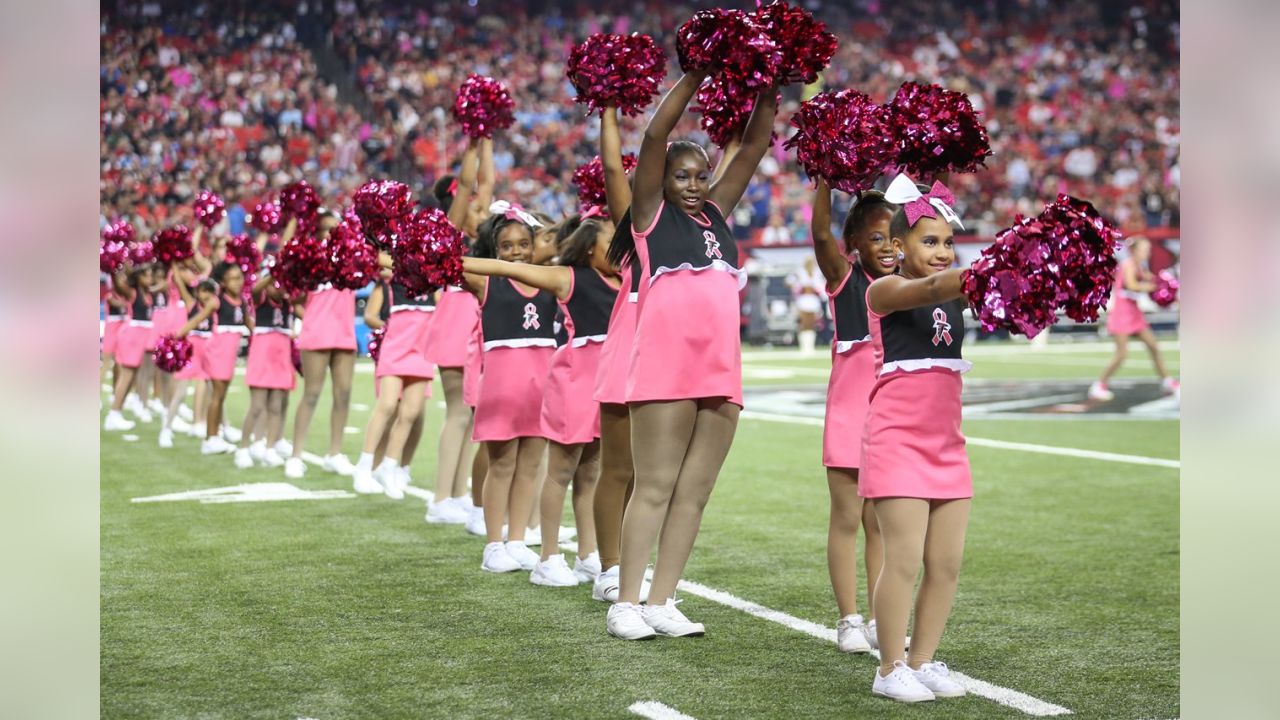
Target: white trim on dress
x,y
955,365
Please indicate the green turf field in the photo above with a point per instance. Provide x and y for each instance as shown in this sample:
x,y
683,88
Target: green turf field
x,y
357,608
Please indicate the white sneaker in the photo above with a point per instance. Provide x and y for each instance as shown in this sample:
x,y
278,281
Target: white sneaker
x,y
116,421
231,434
198,430
567,534
1100,392
284,447
185,414
271,458
364,483
143,415
869,632
156,407
258,451
166,438
498,560
339,464
900,685
527,558
133,403
553,573
179,425
1171,386
936,677
533,537
447,512
244,460
294,468
626,621
605,587
849,637
402,477
668,620
475,523
216,446
389,478
587,568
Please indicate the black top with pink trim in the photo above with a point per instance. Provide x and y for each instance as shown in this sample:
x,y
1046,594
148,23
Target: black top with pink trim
x,y
923,338
849,310
230,315
680,241
140,307
510,318
589,305
402,300
205,326
272,316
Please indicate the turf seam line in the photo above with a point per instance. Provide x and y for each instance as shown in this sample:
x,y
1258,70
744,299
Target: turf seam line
x,y
657,711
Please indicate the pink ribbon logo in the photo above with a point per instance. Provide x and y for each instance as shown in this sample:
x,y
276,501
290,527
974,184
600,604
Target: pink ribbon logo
x,y
713,245
531,317
941,328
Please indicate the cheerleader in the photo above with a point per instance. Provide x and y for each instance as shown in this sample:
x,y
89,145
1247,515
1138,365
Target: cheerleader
x,y
269,372
198,330
807,285
132,354
457,320
1125,319
519,341
328,345
117,316
682,421
867,254
377,311
231,322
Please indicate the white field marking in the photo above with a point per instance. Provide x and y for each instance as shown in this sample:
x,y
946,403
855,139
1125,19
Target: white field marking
x,y
999,444
359,406
419,492
129,438
249,492
983,408
657,711
348,430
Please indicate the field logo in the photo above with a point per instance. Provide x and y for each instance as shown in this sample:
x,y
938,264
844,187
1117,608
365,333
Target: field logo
x,y
251,492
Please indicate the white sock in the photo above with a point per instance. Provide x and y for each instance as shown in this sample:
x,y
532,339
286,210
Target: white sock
x,y
808,339
365,462
387,464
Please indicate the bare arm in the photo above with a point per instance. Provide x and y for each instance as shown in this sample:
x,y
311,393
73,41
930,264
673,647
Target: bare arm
x,y
730,151
556,279
894,293
202,262
646,192
488,179
373,308
263,284
184,292
200,317
756,139
617,190
1132,282
458,211
831,261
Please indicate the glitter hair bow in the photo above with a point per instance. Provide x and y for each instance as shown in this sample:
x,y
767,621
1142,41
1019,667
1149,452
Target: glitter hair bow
x,y
513,211
903,191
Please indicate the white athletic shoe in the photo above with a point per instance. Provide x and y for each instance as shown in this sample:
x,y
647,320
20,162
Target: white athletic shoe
x,y
475,523
626,621
116,421
402,477
284,447
143,415
668,620
497,559
271,458
231,434
166,438
553,573
869,632
339,464
185,414
389,479
900,685
527,558
849,637
447,512
198,430
216,446
567,534
533,537
1171,386
294,468
936,677
587,568
1100,392
179,425
605,587
258,451
244,460
133,403
156,407
363,482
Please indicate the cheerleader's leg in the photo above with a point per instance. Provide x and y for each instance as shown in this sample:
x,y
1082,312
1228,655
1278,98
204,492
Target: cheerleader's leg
x,y
943,552
561,464
616,476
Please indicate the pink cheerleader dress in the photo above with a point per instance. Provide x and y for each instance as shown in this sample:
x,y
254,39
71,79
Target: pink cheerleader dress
x,y
199,338
134,337
570,415
519,340
853,372
224,346
404,344
117,318
169,313
687,342
473,371
452,325
911,444
615,351
1125,317
270,361
329,320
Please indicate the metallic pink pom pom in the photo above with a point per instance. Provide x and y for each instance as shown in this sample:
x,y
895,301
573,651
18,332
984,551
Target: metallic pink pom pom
x,y
726,106
375,343
120,231
209,208
731,42
173,244
172,353
482,106
244,253
299,200
805,43
844,138
112,255
589,178
381,205
622,71
937,131
353,260
142,253
267,217
1166,292
428,253
302,265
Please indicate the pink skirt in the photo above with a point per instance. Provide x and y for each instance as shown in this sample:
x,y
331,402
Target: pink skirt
x,y
195,369
168,321
615,353
111,335
329,321
220,355
473,370
270,362
456,317
509,402
403,346
912,445
570,415
1125,317
853,374
132,344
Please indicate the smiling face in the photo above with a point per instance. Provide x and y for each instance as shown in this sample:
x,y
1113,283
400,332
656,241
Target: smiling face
x,y
871,241
233,281
687,181
929,247
515,243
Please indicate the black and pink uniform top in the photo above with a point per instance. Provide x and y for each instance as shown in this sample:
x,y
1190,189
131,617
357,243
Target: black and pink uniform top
x,y
510,318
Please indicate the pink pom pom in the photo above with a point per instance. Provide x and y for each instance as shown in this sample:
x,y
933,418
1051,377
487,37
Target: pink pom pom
x,y
299,200
375,343
142,253
844,138
732,42
210,209
937,130
622,71
354,261
482,106
381,205
243,252
302,265
726,107
172,353
173,244
267,217
1166,292
120,232
112,255
428,253
589,178
806,45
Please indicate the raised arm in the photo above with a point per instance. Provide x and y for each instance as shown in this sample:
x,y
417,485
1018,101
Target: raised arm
x,y
617,190
202,262
831,260
556,279
756,139
730,151
205,312
894,293
373,308
651,166
184,292
458,211
487,181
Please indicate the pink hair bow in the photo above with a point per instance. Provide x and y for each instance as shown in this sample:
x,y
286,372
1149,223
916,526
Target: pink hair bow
x,y
453,187
513,211
593,211
903,191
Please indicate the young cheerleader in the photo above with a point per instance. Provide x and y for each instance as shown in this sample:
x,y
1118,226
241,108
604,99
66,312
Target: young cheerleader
x,y
456,319
377,312
231,322
131,345
867,255
518,344
198,330
914,463
684,383
117,316
269,371
1125,319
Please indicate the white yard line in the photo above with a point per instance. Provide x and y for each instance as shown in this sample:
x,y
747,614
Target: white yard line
x,y
657,711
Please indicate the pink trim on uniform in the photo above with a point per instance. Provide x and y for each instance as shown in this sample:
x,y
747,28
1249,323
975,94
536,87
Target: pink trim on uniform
x,y
652,225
